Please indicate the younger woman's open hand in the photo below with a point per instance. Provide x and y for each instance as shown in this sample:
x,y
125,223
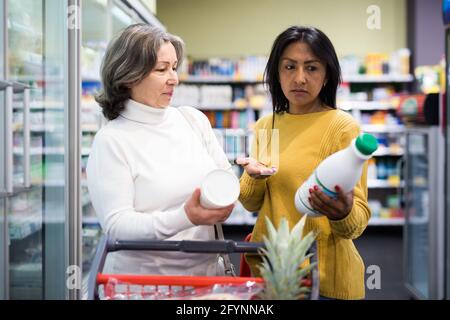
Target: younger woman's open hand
x,y
255,169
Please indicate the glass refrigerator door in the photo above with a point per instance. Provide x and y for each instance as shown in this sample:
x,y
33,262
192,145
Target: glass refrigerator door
x,y
447,159
3,251
36,54
94,42
25,50
3,231
114,16
417,214
424,224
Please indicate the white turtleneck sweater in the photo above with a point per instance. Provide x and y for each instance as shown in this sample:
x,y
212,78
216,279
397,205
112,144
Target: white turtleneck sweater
x,y
143,167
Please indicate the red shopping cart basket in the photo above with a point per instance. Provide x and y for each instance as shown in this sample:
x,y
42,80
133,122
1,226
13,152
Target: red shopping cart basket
x,y
131,284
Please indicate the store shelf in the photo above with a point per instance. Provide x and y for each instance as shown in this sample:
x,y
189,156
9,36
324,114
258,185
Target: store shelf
x,y
233,156
365,105
60,183
90,127
87,79
383,184
48,151
377,221
241,220
40,128
42,106
383,78
23,29
230,108
381,128
91,220
40,151
231,131
22,225
217,79
383,151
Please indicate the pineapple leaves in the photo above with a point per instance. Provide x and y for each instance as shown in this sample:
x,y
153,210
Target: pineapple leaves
x,y
285,251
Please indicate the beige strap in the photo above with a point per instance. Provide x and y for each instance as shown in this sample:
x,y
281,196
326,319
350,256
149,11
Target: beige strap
x,y
228,266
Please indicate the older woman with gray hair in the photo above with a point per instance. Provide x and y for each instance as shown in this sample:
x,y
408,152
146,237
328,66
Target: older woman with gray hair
x,y
147,162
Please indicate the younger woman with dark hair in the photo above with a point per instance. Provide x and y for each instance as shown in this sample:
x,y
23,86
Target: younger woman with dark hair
x,y
302,75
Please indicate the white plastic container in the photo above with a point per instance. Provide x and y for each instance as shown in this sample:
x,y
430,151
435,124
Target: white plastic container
x,y
219,189
342,168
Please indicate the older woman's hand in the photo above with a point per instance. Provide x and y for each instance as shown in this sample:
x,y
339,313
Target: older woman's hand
x,y
199,215
334,209
255,169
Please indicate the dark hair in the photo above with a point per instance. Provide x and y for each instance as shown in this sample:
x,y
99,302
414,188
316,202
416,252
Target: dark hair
x,y
321,46
129,58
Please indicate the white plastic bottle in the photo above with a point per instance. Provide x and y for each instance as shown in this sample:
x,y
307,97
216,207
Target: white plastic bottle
x,y
342,168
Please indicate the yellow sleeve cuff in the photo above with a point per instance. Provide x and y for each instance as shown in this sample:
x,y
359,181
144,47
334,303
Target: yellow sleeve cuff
x,y
352,225
252,192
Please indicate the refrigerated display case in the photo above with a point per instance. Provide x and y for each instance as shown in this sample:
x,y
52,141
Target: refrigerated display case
x,y
424,197
35,234
446,20
45,138
114,15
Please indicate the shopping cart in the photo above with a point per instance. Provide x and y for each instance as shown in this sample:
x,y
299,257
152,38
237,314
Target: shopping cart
x,y
176,284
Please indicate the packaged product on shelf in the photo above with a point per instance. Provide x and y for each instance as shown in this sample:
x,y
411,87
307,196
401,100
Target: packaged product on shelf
x,y
374,63
372,170
375,208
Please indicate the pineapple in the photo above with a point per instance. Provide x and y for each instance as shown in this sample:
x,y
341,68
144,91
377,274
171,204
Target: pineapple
x,y
283,254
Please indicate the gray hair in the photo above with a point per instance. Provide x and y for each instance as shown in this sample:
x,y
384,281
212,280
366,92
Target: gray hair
x,y
129,58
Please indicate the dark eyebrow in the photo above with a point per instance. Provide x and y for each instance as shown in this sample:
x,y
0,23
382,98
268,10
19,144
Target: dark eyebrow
x,y
312,61
306,62
166,62
290,60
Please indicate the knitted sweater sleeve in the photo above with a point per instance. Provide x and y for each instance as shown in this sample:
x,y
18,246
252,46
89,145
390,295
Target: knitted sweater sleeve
x,y
253,190
111,187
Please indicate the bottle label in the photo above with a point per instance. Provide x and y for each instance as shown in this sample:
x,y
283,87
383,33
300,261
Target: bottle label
x,y
324,189
303,195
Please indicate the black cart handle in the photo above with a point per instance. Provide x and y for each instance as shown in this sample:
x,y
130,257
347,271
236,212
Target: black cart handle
x,y
213,246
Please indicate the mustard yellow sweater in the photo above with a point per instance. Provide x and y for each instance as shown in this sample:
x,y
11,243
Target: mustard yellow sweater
x,y
304,141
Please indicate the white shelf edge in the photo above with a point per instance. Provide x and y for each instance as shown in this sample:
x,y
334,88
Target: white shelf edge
x,y
216,79
90,220
229,107
365,105
374,184
377,221
383,151
232,131
89,79
364,78
377,128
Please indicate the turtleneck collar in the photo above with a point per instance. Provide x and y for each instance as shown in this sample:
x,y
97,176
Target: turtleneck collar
x,y
139,112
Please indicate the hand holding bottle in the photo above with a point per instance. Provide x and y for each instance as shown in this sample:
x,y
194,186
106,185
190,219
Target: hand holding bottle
x,y
255,169
333,208
330,186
